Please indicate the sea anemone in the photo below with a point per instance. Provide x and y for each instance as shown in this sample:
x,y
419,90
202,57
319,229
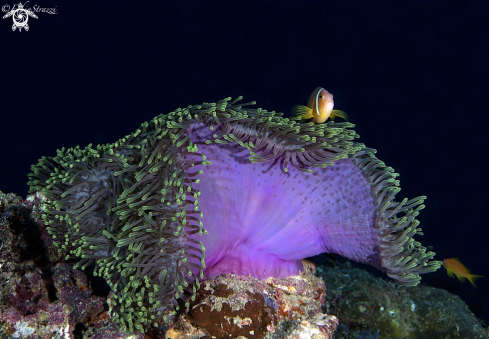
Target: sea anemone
x,y
217,188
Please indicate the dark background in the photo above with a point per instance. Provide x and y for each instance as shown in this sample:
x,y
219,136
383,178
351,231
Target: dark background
x,y
412,75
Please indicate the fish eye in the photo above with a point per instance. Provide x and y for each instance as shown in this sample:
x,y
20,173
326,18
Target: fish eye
x,y
320,96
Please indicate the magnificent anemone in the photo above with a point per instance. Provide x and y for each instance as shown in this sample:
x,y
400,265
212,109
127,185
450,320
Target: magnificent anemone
x,y
253,191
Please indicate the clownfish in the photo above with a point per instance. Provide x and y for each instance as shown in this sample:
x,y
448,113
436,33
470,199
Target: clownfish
x,y
319,108
454,266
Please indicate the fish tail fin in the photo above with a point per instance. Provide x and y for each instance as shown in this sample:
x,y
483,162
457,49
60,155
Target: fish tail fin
x,y
472,279
337,113
300,112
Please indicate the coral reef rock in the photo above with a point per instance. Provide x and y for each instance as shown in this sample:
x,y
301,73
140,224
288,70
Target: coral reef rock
x,y
41,297
233,306
369,307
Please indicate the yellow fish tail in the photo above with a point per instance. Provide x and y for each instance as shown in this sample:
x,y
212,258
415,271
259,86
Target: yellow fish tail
x,y
337,113
472,278
300,112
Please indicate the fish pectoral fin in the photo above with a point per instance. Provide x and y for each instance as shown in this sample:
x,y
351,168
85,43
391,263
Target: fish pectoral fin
x,y
337,113
300,112
450,273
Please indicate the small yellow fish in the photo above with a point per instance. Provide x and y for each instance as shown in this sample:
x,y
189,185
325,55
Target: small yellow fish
x,y
454,266
319,108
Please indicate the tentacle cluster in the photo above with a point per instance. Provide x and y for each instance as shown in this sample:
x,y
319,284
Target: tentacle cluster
x,y
403,258
129,207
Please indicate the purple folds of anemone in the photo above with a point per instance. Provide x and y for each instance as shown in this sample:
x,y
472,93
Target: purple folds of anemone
x,y
264,221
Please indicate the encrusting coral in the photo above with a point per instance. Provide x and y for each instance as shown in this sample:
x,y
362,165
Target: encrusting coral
x,y
253,191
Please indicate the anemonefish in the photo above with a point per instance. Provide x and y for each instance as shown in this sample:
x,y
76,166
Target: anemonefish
x,y
454,266
319,108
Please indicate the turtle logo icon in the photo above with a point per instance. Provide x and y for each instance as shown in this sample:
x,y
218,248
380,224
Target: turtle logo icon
x,y
20,16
